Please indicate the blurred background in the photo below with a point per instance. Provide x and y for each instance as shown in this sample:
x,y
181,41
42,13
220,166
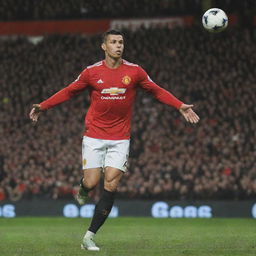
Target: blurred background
x,y
45,44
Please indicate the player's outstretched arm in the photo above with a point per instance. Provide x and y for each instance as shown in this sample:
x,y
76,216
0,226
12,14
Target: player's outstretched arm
x,y
61,96
35,112
188,113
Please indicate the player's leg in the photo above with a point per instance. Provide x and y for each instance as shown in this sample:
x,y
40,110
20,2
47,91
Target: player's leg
x,y
89,181
103,207
116,164
93,154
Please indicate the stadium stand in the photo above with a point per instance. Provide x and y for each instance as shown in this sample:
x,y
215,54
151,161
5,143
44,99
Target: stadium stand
x,y
13,10
169,159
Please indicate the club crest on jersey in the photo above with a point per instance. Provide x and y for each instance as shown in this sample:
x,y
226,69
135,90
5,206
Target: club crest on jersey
x,y
126,80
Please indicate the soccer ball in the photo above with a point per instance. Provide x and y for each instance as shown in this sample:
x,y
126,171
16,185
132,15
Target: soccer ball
x,y
215,20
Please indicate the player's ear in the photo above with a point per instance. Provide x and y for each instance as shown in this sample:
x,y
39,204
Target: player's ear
x,y
103,46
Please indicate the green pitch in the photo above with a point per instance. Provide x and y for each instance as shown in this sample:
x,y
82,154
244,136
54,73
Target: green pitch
x,y
129,237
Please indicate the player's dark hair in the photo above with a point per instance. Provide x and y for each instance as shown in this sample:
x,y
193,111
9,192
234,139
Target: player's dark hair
x,y
111,32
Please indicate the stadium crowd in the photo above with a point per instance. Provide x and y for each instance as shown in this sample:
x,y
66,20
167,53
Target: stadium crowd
x,y
59,9
169,158
13,10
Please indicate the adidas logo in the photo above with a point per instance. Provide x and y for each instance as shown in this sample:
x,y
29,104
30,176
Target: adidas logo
x,y
100,82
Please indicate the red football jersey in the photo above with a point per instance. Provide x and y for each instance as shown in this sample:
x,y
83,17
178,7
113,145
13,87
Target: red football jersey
x,y
112,93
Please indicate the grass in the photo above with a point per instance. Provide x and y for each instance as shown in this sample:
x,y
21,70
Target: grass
x,y
129,237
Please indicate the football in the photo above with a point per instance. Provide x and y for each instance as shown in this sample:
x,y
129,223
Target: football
x,y
215,20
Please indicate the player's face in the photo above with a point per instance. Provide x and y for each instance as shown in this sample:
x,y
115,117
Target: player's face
x,y
114,46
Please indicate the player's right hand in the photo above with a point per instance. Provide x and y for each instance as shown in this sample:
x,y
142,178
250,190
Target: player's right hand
x,y
35,112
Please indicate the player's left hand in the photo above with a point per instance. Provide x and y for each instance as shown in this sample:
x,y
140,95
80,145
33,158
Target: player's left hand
x,y
188,113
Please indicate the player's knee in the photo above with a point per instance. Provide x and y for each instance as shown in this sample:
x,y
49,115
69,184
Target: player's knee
x,y
109,179
110,186
88,184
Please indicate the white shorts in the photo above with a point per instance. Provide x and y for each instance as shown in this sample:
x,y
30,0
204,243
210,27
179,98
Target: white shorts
x,y
102,153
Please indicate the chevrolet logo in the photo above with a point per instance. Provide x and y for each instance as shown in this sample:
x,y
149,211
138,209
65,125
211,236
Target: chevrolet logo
x,y
114,91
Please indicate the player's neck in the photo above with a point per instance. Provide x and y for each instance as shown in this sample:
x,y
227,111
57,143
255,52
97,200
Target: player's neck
x,y
113,63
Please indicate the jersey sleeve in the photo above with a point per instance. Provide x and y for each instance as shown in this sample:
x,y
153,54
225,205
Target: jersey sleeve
x,y
159,93
68,92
